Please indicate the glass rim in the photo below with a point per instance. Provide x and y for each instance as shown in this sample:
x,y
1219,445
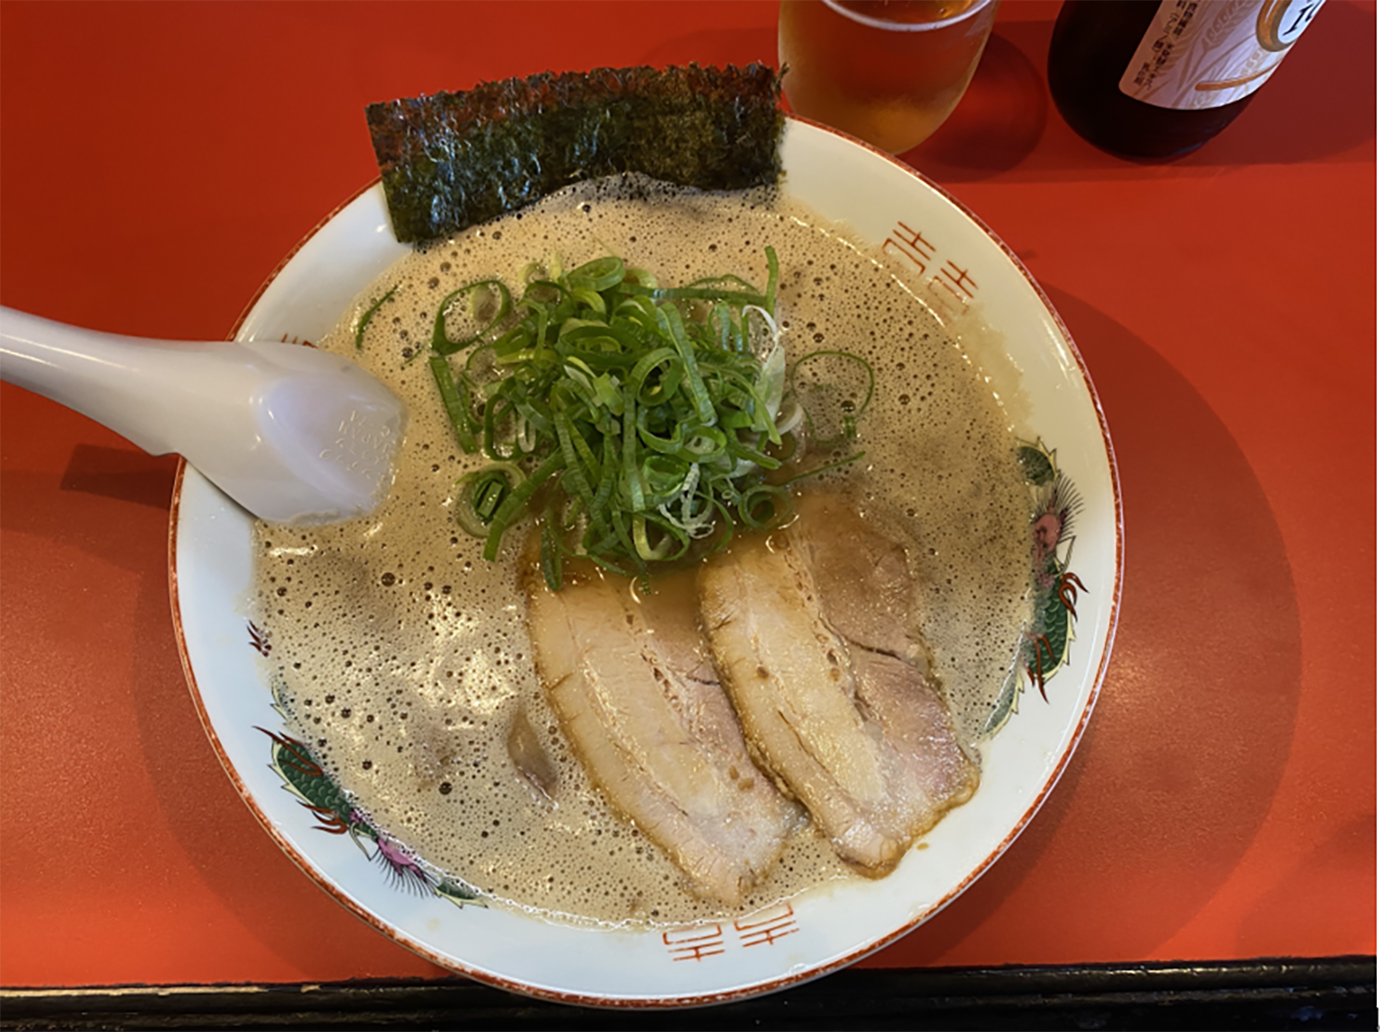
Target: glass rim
x,y
896,26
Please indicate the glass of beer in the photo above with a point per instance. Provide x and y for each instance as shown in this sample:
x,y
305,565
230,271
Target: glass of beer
x,y
887,71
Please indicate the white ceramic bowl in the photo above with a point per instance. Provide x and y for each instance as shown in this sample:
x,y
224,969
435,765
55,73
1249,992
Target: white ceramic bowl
x,y
954,260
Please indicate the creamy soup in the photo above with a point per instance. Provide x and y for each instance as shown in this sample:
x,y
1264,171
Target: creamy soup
x,y
403,659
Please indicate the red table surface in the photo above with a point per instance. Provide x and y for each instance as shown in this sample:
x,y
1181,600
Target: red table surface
x,y
158,160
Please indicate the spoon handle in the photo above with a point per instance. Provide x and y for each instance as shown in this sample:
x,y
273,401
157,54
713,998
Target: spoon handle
x,y
139,388
289,432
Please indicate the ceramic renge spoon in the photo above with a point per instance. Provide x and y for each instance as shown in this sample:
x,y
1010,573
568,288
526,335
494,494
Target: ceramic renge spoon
x,y
293,434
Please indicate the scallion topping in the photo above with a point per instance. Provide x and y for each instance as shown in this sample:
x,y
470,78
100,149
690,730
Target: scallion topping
x,y
368,317
648,419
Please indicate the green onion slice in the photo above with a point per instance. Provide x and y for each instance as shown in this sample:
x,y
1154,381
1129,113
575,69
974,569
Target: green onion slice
x,y
639,421
368,317
480,494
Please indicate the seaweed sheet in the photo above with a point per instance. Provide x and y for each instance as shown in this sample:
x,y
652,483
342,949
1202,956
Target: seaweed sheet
x,y
453,160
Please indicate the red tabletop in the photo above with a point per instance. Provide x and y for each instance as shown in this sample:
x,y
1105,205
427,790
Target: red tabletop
x,y
158,160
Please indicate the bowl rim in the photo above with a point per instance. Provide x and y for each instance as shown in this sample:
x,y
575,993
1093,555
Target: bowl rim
x,y
696,999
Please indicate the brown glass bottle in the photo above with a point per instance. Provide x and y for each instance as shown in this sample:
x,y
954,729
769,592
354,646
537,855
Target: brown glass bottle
x,y
1093,44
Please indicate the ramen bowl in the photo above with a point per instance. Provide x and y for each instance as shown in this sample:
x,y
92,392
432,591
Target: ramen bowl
x,y
946,257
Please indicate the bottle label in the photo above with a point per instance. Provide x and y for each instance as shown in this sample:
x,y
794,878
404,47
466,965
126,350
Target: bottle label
x,y
1206,53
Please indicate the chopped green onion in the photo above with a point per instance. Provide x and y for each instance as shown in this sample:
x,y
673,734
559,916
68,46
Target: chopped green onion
x,y
599,274
441,344
653,413
834,388
551,553
764,505
455,398
368,317
480,495
517,498
823,469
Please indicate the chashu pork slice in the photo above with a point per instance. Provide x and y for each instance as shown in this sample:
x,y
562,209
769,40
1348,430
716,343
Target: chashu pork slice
x,y
663,745
814,632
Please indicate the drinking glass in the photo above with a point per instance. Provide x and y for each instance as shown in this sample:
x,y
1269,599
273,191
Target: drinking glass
x,y
887,71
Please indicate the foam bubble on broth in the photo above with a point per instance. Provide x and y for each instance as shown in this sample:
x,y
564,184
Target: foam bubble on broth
x,y
402,657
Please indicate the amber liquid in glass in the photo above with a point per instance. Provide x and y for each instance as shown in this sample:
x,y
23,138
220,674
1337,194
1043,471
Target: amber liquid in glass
x,y
892,87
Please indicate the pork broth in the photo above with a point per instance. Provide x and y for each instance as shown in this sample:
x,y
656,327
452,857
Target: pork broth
x,y
403,660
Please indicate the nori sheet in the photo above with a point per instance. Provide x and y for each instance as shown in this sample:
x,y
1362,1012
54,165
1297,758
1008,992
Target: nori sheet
x,y
453,160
